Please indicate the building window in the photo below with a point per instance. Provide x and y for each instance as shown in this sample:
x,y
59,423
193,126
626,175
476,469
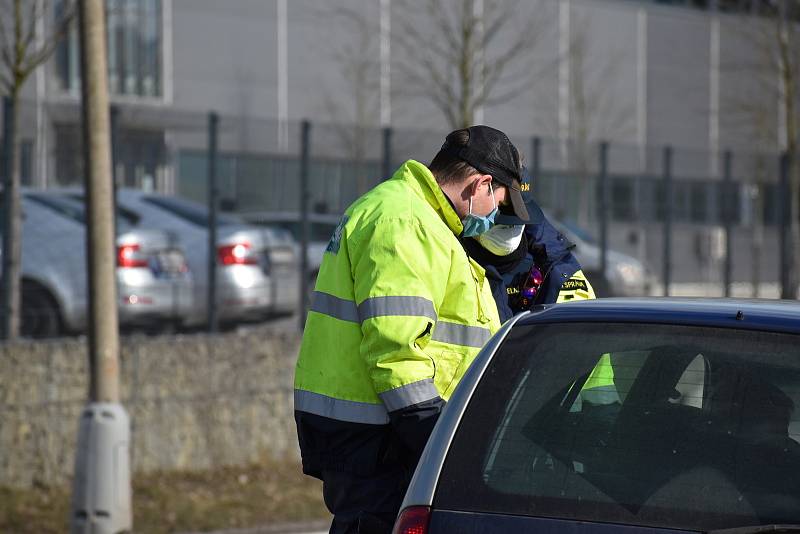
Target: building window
x,y
135,57
139,157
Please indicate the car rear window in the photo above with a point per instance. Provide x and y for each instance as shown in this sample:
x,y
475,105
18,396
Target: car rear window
x,y
193,212
74,209
654,425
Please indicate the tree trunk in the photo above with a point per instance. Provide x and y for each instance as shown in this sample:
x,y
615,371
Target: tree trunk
x,y
12,238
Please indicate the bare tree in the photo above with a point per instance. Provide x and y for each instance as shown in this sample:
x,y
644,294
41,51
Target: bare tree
x,y
774,74
594,112
462,55
355,112
21,52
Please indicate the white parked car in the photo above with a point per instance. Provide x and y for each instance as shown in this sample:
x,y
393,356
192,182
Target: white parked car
x,y
154,284
256,267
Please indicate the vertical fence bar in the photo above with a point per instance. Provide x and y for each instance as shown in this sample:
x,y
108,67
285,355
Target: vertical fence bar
x,y
305,226
784,203
727,220
6,276
667,260
536,158
604,210
213,126
386,164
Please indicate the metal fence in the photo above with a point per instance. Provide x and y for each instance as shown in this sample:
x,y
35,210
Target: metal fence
x,y
701,223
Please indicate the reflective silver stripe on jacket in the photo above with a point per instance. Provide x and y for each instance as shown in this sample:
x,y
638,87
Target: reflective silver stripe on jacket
x,y
408,395
460,334
346,310
342,309
409,306
342,410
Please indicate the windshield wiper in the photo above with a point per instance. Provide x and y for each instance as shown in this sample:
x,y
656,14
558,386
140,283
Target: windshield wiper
x,y
754,529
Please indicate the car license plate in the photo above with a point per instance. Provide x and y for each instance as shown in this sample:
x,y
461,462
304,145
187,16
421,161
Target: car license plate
x,y
171,262
279,256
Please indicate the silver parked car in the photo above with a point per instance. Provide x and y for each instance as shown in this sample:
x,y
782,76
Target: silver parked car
x,y
256,267
153,281
322,227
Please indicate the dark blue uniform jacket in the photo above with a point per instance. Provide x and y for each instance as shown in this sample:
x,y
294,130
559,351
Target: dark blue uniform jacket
x,y
552,253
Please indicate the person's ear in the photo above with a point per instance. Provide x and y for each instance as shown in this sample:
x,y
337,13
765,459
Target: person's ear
x,y
474,185
485,181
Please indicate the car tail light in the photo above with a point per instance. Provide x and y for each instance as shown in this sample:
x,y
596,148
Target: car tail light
x,y
238,254
413,520
130,256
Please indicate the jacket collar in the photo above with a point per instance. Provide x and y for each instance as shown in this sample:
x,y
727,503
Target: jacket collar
x,y
420,178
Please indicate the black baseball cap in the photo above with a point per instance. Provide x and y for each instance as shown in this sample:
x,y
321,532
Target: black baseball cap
x,y
534,211
491,152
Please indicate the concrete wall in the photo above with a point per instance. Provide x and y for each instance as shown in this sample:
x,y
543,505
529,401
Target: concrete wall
x,y
195,402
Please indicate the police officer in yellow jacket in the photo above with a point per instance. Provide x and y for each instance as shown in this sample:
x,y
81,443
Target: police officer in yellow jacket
x,y
399,312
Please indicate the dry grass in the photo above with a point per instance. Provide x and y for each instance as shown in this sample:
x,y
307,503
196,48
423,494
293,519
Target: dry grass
x,y
233,497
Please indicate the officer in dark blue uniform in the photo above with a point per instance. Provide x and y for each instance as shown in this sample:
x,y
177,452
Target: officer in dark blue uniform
x,y
528,264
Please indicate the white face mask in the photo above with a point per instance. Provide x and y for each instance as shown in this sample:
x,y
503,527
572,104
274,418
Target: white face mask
x,y
501,239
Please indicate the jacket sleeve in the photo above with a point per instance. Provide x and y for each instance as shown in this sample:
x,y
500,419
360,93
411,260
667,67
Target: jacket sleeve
x,y
414,424
400,274
577,287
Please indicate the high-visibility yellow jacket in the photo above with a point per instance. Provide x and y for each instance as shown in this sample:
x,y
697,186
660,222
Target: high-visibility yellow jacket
x,y
399,310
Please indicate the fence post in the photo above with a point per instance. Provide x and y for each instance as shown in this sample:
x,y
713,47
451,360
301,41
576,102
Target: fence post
x,y
386,170
667,265
7,297
784,222
305,226
213,126
604,215
536,158
727,220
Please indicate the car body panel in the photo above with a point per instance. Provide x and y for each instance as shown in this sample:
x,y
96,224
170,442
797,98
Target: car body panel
x,y
452,521
53,256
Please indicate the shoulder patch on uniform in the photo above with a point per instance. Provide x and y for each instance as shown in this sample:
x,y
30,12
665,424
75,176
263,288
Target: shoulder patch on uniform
x,y
575,284
336,238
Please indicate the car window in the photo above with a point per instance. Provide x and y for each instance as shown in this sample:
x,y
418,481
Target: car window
x,y
193,212
74,209
663,426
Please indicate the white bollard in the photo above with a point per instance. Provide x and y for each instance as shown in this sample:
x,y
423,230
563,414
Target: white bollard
x,y
101,491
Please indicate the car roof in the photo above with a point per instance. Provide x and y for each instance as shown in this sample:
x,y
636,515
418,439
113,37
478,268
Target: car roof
x,y
750,314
